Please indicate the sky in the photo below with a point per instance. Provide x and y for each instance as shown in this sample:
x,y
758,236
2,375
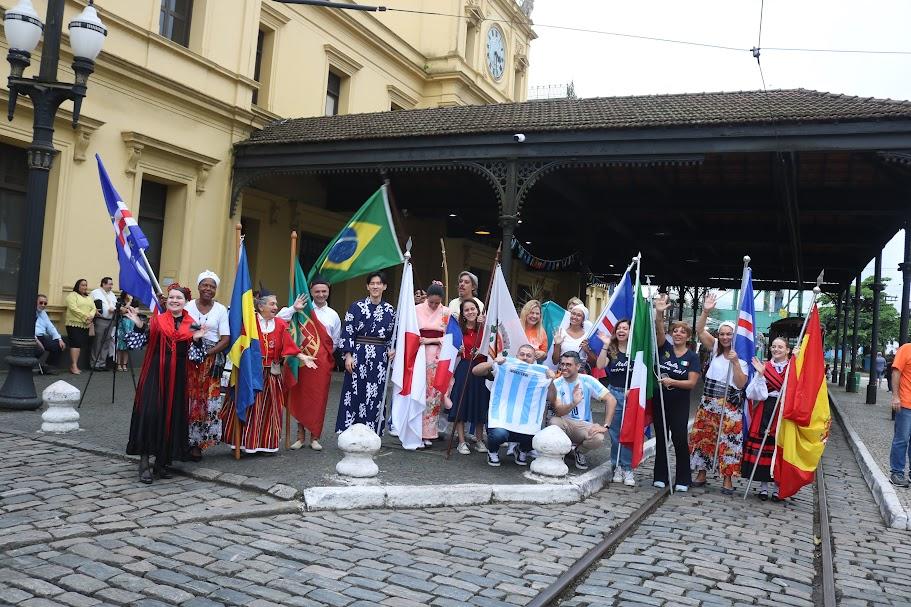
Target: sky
x,y
602,65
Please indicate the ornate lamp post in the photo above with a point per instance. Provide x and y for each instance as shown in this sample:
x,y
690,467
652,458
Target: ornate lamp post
x,y
23,29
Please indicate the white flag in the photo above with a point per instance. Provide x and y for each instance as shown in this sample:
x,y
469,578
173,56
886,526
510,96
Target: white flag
x,y
409,370
503,331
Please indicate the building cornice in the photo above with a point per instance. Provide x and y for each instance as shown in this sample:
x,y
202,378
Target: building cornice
x,y
137,143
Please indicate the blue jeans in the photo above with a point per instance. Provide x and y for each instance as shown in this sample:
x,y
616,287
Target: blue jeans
x,y
898,458
626,456
498,436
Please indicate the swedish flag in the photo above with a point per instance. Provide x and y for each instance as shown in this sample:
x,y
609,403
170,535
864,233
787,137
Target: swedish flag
x,y
245,354
366,244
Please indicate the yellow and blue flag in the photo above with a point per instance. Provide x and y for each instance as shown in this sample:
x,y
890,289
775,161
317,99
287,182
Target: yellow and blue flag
x,y
245,355
367,243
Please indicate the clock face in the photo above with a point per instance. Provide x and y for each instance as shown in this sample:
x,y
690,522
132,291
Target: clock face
x,y
496,52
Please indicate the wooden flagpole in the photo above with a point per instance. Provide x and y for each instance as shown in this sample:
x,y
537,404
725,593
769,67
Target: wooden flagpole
x,y
778,410
473,353
291,287
237,240
656,361
445,272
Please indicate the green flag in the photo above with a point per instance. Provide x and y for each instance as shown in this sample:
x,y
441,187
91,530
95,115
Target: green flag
x,y
366,244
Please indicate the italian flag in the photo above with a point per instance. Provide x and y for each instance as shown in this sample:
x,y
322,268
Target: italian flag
x,y
637,413
805,417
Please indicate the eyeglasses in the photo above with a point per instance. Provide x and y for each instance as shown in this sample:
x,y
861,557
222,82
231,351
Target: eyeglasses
x,y
42,303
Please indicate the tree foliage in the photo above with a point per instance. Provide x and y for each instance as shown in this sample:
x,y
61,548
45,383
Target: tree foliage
x,y
888,317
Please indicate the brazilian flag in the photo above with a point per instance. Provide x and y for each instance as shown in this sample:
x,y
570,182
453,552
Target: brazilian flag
x,y
366,244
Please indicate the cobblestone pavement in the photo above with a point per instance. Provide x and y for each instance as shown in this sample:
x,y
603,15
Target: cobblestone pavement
x,y
486,556
874,425
704,548
872,562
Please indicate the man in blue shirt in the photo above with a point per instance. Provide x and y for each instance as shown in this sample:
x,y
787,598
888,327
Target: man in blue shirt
x,y
47,337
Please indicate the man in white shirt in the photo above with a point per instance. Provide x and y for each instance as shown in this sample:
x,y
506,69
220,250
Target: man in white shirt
x,y
310,414
572,406
106,302
468,289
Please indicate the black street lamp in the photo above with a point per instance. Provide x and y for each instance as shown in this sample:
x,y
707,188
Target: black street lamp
x,y
23,29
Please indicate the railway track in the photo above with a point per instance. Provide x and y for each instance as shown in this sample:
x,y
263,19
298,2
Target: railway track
x,y
564,585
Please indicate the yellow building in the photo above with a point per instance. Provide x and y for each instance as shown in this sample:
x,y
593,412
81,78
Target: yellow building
x,y
179,82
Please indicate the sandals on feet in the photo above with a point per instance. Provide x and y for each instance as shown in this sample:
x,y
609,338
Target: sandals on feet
x,y
145,476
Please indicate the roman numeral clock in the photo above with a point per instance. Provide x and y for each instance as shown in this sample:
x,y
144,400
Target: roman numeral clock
x,y
496,52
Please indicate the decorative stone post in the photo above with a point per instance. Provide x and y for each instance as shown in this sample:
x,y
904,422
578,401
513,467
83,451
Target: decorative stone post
x,y
552,445
359,444
60,415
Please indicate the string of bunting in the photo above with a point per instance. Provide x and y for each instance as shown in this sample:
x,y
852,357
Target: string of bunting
x,y
536,263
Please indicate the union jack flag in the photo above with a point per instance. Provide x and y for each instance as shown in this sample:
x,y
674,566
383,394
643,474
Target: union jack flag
x,y
135,276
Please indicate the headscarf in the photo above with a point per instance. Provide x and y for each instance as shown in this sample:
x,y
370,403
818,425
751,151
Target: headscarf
x,y
208,274
584,311
175,286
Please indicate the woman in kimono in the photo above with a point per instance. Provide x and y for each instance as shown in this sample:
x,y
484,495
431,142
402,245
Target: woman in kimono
x,y
367,334
263,427
720,410
204,398
764,390
159,423
432,320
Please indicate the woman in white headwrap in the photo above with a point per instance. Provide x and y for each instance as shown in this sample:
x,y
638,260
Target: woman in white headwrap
x,y
722,399
572,338
204,398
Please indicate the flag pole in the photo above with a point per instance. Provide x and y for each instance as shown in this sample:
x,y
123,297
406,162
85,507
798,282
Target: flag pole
x,y
473,354
395,324
637,260
291,287
237,240
716,468
657,362
145,260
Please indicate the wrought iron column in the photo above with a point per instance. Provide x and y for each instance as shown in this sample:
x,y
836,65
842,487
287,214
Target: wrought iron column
x,y
877,288
509,218
837,332
852,386
681,300
844,337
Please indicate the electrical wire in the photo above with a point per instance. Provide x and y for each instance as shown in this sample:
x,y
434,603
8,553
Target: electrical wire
x,y
584,30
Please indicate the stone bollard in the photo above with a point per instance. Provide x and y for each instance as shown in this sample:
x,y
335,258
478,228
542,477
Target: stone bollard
x,y
359,444
552,445
60,415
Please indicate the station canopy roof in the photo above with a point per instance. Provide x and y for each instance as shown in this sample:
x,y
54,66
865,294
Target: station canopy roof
x,y
799,180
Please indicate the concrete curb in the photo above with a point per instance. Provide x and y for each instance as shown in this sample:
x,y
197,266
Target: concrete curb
x,y
568,490
894,514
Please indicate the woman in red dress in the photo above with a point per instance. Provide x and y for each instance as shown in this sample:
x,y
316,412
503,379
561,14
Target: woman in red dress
x,y
263,428
474,404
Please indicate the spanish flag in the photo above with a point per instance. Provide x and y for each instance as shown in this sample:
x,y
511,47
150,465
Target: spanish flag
x,y
367,243
245,353
805,417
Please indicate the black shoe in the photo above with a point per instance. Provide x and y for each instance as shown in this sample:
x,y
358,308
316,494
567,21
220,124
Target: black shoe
x,y
162,472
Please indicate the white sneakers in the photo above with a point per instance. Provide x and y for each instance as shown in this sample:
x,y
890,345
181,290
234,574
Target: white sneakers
x,y
624,476
314,444
297,444
463,449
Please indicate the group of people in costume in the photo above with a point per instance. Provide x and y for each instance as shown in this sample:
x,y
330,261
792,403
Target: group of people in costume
x,y
180,408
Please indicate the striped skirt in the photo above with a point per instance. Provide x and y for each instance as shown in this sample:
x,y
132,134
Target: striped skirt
x,y
263,429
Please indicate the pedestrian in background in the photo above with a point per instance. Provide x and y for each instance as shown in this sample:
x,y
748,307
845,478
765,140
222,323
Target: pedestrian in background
x,y
106,303
901,405
80,313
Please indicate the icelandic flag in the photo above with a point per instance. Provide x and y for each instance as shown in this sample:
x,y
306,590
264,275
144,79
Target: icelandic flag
x,y
245,353
409,375
449,355
745,338
620,307
135,277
